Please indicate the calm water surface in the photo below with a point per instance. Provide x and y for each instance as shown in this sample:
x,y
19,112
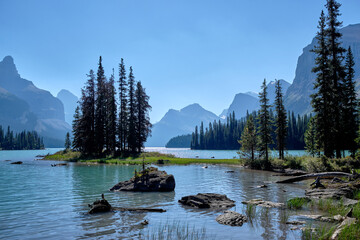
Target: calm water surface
x,y
218,154
43,202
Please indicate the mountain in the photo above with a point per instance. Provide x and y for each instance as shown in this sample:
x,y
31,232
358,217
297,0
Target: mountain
x,y
175,123
249,101
297,98
69,101
271,89
242,104
26,107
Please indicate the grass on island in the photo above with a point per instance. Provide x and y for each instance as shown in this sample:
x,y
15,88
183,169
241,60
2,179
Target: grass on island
x,y
149,158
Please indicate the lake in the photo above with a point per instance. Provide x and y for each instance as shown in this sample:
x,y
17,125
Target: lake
x,y
44,202
218,154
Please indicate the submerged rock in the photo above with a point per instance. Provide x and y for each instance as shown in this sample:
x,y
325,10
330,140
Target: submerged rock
x,y
100,206
207,200
18,162
150,180
262,203
231,218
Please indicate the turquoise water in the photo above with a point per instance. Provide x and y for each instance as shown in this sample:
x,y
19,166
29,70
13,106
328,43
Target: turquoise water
x,y
43,202
218,154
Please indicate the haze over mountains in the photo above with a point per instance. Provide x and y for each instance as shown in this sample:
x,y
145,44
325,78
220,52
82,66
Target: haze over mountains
x,y
296,95
181,122
26,107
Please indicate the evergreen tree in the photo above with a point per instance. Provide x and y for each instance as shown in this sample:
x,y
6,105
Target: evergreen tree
x,y
322,99
67,141
100,110
196,144
350,105
202,143
132,120
249,141
336,69
77,142
143,125
281,120
265,125
123,112
311,138
111,116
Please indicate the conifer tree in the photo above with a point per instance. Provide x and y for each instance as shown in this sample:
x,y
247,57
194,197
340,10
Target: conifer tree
x,y
132,120
123,111
249,141
350,105
143,125
311,138
87,121
336,69
67,142
281,120
265,126
111,116
100,109
322,99
202,143
77,142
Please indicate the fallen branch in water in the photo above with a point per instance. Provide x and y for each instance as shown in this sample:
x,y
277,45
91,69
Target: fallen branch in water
x,y
315,175
139,209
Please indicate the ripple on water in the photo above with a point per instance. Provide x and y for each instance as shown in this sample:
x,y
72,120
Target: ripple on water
x,y
44,202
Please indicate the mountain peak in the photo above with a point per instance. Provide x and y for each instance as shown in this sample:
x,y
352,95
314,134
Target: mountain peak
x,y
7,65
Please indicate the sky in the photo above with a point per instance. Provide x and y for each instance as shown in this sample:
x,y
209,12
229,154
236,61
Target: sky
x,y
183,51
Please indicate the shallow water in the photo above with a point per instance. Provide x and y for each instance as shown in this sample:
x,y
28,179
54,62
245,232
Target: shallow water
x,y
44,202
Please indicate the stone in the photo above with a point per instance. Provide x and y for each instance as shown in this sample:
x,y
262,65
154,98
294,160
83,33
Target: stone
x,y
151,180
100,206
346,222
207,200
231,218
335,193
262,203
18,162
296,222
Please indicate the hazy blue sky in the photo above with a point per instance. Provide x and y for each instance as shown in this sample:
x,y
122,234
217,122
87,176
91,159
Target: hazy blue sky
x,y
183,51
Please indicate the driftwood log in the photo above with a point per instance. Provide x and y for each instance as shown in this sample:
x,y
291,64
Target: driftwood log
x,y
139,209
315,175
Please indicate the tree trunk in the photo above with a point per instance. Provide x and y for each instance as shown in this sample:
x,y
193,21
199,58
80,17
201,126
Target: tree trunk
x,y
315,175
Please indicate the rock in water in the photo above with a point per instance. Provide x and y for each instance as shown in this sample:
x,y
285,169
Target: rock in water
x,y
100,206
231,218
207,200
151,180
18,162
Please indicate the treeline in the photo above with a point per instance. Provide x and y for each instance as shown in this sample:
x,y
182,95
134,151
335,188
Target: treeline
x,y
182,141
24,140
109,124
335,125
225,136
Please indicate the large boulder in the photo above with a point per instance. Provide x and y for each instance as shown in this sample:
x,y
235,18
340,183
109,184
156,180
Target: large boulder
x,y
231,218
207,200
100,206
149,180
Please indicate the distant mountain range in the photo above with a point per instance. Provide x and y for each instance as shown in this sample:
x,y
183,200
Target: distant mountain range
x,y
183,122
297,97
70,102
178,123
26,107
249,101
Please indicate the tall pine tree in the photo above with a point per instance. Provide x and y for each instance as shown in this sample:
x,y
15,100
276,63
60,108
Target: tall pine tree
x,y
132,120
281,120
143,125
111,116
123,111
265,126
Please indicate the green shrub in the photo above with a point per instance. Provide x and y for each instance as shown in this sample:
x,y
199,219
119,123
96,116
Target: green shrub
x,y
297,203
